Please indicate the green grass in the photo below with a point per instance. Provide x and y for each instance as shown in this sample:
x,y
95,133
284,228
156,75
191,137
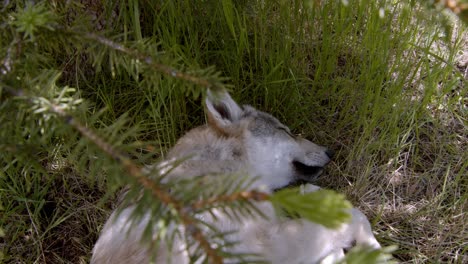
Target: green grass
x,y
383,91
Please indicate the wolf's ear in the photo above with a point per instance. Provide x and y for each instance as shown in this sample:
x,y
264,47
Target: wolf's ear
x,y
221,109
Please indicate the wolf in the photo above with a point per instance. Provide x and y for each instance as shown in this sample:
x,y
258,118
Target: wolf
x,y
241,140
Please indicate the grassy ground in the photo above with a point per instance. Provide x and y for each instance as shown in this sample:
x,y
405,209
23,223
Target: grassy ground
x,y
381,82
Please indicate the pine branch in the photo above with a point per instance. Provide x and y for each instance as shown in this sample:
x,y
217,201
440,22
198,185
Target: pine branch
x,y
147,59
238,196
134,171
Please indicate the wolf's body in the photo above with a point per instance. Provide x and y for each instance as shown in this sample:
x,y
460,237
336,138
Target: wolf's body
x,y
243,140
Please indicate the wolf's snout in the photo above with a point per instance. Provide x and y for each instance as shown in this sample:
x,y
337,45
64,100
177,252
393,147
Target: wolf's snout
x,y
330,153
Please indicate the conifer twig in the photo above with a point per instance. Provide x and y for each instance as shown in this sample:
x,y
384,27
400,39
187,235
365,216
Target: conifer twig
x,y
238,196
134,171
147,59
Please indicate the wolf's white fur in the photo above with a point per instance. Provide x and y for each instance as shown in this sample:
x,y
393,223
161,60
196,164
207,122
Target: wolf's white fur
x,y
242,140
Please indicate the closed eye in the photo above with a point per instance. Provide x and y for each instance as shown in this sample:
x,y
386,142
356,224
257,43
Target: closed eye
x,y
287,131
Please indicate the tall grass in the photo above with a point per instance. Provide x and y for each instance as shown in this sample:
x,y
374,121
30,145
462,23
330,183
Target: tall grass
x,y
375,80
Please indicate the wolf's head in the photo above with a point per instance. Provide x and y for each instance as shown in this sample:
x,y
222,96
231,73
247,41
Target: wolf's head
x,y
275,155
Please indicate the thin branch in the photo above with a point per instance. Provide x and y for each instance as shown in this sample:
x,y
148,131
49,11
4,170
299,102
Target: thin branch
x,y
147,59
136,172
239,196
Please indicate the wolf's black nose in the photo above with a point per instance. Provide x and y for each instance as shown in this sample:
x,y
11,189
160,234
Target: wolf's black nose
x,y
330,153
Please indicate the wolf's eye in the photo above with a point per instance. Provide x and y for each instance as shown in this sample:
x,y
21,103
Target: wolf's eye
x,y
285,129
